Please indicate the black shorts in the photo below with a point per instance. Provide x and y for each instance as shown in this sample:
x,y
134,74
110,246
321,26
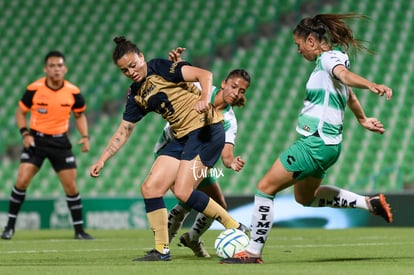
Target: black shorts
x,y
57,149
207,142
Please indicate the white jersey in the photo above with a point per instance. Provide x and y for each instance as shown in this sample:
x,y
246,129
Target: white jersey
x,y
230,126
326,99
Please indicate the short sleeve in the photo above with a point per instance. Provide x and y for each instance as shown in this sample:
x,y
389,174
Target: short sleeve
x,y
331,59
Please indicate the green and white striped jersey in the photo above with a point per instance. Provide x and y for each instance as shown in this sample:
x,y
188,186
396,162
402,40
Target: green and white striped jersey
x,y
326,99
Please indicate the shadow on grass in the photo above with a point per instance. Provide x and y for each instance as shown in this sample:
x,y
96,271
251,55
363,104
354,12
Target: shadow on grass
x,y
368,259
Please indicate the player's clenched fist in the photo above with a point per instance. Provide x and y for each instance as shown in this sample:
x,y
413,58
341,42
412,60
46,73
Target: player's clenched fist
x,y
96,168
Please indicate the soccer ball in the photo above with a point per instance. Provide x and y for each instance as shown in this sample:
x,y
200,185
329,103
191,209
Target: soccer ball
x,y
230,242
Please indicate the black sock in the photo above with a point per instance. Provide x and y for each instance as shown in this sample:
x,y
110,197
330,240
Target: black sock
x,y
17,197
75,207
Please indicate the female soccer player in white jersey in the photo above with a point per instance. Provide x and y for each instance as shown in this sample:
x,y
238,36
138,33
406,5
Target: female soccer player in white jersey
x,y
320,39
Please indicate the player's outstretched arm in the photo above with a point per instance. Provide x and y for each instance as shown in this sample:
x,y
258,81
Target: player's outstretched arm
x,y
229,161
117,141
370,123
353,80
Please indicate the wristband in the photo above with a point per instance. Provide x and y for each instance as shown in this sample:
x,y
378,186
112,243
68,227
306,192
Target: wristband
x,y
23,130
85,137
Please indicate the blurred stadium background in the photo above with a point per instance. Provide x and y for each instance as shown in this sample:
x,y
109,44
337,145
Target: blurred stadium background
x,y
219,35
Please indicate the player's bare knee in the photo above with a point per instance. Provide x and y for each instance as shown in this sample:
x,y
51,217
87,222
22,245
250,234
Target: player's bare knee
x,y
145,191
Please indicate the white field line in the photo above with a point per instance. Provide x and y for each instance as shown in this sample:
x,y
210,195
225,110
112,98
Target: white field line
x,y
339,244
32,251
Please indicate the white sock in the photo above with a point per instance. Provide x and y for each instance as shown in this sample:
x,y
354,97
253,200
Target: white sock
x,y
262,222
176,218
200,225
331,196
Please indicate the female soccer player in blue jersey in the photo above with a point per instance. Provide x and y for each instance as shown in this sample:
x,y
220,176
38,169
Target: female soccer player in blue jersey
x,y
230,93
167,88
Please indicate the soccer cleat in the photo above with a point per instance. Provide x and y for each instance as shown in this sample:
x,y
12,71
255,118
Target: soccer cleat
x,y
82,235
7,233
244,228
154,255
380,207
196,246
242,258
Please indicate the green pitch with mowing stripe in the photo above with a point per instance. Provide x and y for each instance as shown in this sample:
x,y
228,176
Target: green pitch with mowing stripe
x,y
288,251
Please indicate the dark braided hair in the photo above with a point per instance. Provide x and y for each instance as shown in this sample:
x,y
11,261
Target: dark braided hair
x,y
332,29
123,46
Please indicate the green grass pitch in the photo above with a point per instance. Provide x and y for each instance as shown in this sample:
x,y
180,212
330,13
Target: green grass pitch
x,y
288,251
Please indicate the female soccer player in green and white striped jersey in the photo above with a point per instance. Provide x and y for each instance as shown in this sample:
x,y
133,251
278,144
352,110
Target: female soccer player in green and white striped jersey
x,y
321,39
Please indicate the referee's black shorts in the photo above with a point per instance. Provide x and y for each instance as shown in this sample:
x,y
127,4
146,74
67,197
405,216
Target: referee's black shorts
x,y
56,148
